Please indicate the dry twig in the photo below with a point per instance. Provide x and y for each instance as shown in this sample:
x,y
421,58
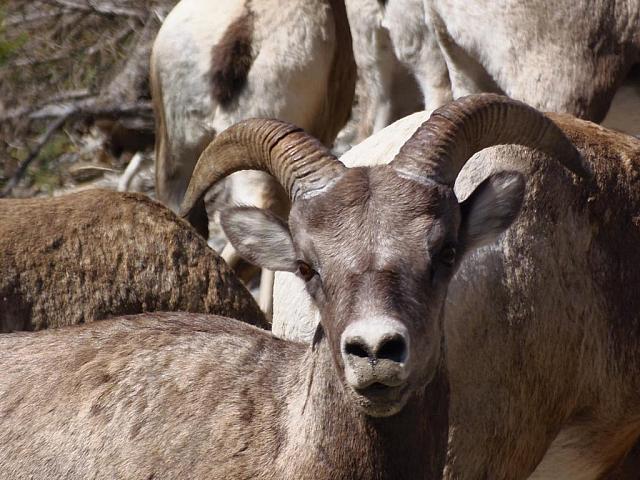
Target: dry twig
x,y
30,17
55,99
101,8
33,154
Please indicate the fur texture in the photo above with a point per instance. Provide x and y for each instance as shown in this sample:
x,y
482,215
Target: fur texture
x,y
97,254
292,61
288,60
570,58
387,88
542,327
231,60
190,396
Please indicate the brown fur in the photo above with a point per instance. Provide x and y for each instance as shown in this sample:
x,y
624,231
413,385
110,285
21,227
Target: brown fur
x,y
362,270
554,339
614,212
98,254
628,469
184,396
194,397
231,59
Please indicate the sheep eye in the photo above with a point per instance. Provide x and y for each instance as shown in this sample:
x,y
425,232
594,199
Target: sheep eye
x,y
447,256
305,271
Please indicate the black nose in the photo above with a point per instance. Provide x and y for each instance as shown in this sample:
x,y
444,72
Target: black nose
x,y
392,348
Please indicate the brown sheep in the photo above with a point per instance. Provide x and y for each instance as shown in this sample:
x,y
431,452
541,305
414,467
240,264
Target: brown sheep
x,y
96,254
542,327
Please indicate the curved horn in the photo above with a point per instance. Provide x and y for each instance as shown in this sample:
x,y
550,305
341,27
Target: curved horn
x,y
297,160
442,145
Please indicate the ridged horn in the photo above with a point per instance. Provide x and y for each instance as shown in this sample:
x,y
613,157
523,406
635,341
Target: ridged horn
x,y
297,160
442,145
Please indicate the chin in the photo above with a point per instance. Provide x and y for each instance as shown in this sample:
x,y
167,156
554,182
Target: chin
x,y
379,400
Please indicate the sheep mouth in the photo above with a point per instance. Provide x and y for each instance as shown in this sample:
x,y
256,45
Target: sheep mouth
x,y
380,400
377,389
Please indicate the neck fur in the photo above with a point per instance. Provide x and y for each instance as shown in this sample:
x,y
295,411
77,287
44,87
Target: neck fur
x,y
328,430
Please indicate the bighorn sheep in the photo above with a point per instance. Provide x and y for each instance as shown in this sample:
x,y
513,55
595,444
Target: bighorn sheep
x,y
386,89
391,45
415,45
90,255
184,396
570,57
542,326
187,396
204,398
216,63
382,229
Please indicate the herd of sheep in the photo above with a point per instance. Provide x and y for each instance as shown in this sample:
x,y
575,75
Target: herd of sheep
x,y
457,296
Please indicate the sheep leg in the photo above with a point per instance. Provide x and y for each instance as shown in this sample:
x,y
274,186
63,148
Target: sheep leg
x,y
265,300
230,255
124,182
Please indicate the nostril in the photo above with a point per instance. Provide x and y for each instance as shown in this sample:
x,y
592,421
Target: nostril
x,y
394,349
357,349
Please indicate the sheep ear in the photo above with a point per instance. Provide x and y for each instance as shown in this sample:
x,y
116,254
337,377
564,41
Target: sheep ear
x,y
491,209
260,237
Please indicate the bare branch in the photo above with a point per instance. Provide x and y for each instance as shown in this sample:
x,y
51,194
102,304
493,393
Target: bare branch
x,y
118,99
124,182
55,99
28,62
30,17
68,54
114,40
93,107
102,8
33,154
136,69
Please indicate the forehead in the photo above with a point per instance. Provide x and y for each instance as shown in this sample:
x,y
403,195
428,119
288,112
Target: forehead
x,y
374,210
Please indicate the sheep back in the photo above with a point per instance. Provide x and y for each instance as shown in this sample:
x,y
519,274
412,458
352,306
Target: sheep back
x,y
97,254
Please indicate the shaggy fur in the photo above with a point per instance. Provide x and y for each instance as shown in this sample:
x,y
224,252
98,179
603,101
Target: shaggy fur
x,y
568,270
97,254
542,327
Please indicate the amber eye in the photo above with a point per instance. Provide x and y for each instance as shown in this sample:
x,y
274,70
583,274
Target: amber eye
x,y
447,255
305,271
